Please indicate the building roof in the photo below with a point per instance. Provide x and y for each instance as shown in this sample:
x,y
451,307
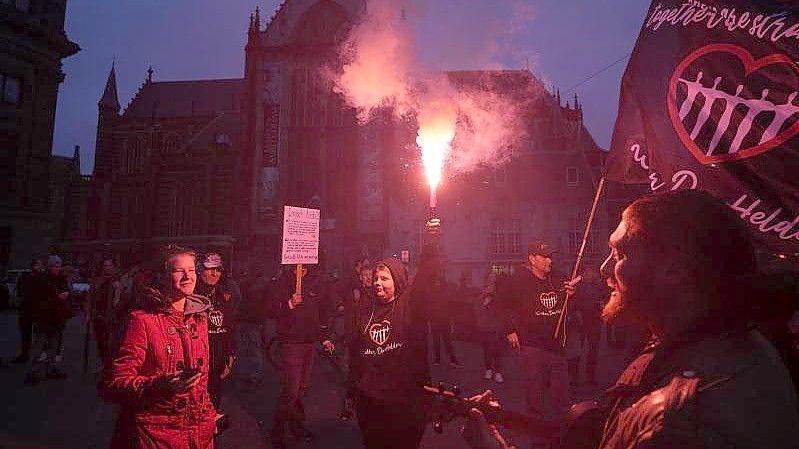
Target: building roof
x,y
165,99
222,130
110,98
499,81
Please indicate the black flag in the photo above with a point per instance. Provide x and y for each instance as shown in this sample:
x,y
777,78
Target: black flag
x,y
709,101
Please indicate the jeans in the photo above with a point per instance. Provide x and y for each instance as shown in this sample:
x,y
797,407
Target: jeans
x,y
250,349
547,378
297,360
45,338
492,344
441,332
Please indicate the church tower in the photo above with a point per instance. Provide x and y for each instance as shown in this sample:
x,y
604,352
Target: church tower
x,y
108,114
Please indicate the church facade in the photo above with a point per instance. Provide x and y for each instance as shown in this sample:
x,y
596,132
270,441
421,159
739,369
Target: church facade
x,y
211,164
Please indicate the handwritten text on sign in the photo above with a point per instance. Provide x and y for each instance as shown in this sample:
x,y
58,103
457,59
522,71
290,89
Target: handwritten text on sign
x,y
300,235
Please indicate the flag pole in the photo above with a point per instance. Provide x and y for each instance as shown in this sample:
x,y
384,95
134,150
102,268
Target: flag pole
x,y
560,329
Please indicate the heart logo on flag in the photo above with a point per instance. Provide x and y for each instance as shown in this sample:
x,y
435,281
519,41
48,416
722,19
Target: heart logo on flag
x,y
379,332
719,124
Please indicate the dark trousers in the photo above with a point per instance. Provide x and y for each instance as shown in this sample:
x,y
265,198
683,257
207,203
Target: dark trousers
x,y
216,366
492,350
215,381
25,324
589,335
101,335
297,363
390,425
45,338
442,333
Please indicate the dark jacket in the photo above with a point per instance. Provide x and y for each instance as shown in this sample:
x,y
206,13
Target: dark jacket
x,y
717,391
390,346
26,291
531,307
224,299
254,306
308,321
160,341
47,309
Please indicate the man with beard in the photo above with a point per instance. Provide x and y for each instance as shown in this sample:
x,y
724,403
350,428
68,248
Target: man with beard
x,y
104,295
224,296
682,264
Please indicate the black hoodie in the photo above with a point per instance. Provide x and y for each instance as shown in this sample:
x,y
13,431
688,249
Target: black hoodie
x,y
389,346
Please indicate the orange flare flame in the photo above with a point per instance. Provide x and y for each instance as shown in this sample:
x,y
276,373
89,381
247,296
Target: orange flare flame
x,y
436,131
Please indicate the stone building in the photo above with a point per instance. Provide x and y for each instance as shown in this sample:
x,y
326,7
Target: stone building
x,y
305,148
69,195
212,163
32,44
163,170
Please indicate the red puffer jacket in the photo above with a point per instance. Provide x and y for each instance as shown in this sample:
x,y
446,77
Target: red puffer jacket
x,y
160,341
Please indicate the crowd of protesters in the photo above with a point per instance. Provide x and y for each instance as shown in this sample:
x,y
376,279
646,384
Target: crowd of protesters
x,y
169,336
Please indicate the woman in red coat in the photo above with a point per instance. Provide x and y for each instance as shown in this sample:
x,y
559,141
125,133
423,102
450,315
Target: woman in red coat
x,y
160,373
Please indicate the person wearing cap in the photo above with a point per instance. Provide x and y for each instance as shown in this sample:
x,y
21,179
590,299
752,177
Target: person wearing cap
x,y
532,303
225,297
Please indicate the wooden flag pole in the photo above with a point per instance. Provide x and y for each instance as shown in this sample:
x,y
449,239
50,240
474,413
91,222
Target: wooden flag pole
x,y
298,281
561,327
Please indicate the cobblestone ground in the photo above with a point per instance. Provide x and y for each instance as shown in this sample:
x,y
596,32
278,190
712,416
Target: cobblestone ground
x,y
67,414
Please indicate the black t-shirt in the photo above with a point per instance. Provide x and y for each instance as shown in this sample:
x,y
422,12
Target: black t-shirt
x,y
531,308
221,332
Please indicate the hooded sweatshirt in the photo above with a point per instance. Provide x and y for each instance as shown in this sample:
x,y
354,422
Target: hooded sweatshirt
x,y
390,344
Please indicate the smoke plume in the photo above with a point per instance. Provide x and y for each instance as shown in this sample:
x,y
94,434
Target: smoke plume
x,y
462,118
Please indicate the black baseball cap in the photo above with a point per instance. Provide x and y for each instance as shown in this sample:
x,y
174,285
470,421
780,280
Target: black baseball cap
x,y
541,248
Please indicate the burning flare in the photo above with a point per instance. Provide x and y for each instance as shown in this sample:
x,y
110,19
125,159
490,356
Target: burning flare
x,y
436,131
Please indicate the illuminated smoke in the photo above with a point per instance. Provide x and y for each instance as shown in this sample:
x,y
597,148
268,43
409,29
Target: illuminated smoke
x,y
463,126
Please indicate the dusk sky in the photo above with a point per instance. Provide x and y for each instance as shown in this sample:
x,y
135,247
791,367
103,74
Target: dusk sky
x,y
564,42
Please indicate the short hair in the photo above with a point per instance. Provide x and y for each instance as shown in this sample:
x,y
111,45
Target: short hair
x,y
706,235
169,252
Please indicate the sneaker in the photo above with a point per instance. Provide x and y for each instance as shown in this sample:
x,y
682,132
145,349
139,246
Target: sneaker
x,y
489,374
42,357
455,364
498,377
436,362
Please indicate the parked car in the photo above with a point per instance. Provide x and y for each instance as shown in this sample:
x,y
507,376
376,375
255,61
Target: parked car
x,y
12,276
